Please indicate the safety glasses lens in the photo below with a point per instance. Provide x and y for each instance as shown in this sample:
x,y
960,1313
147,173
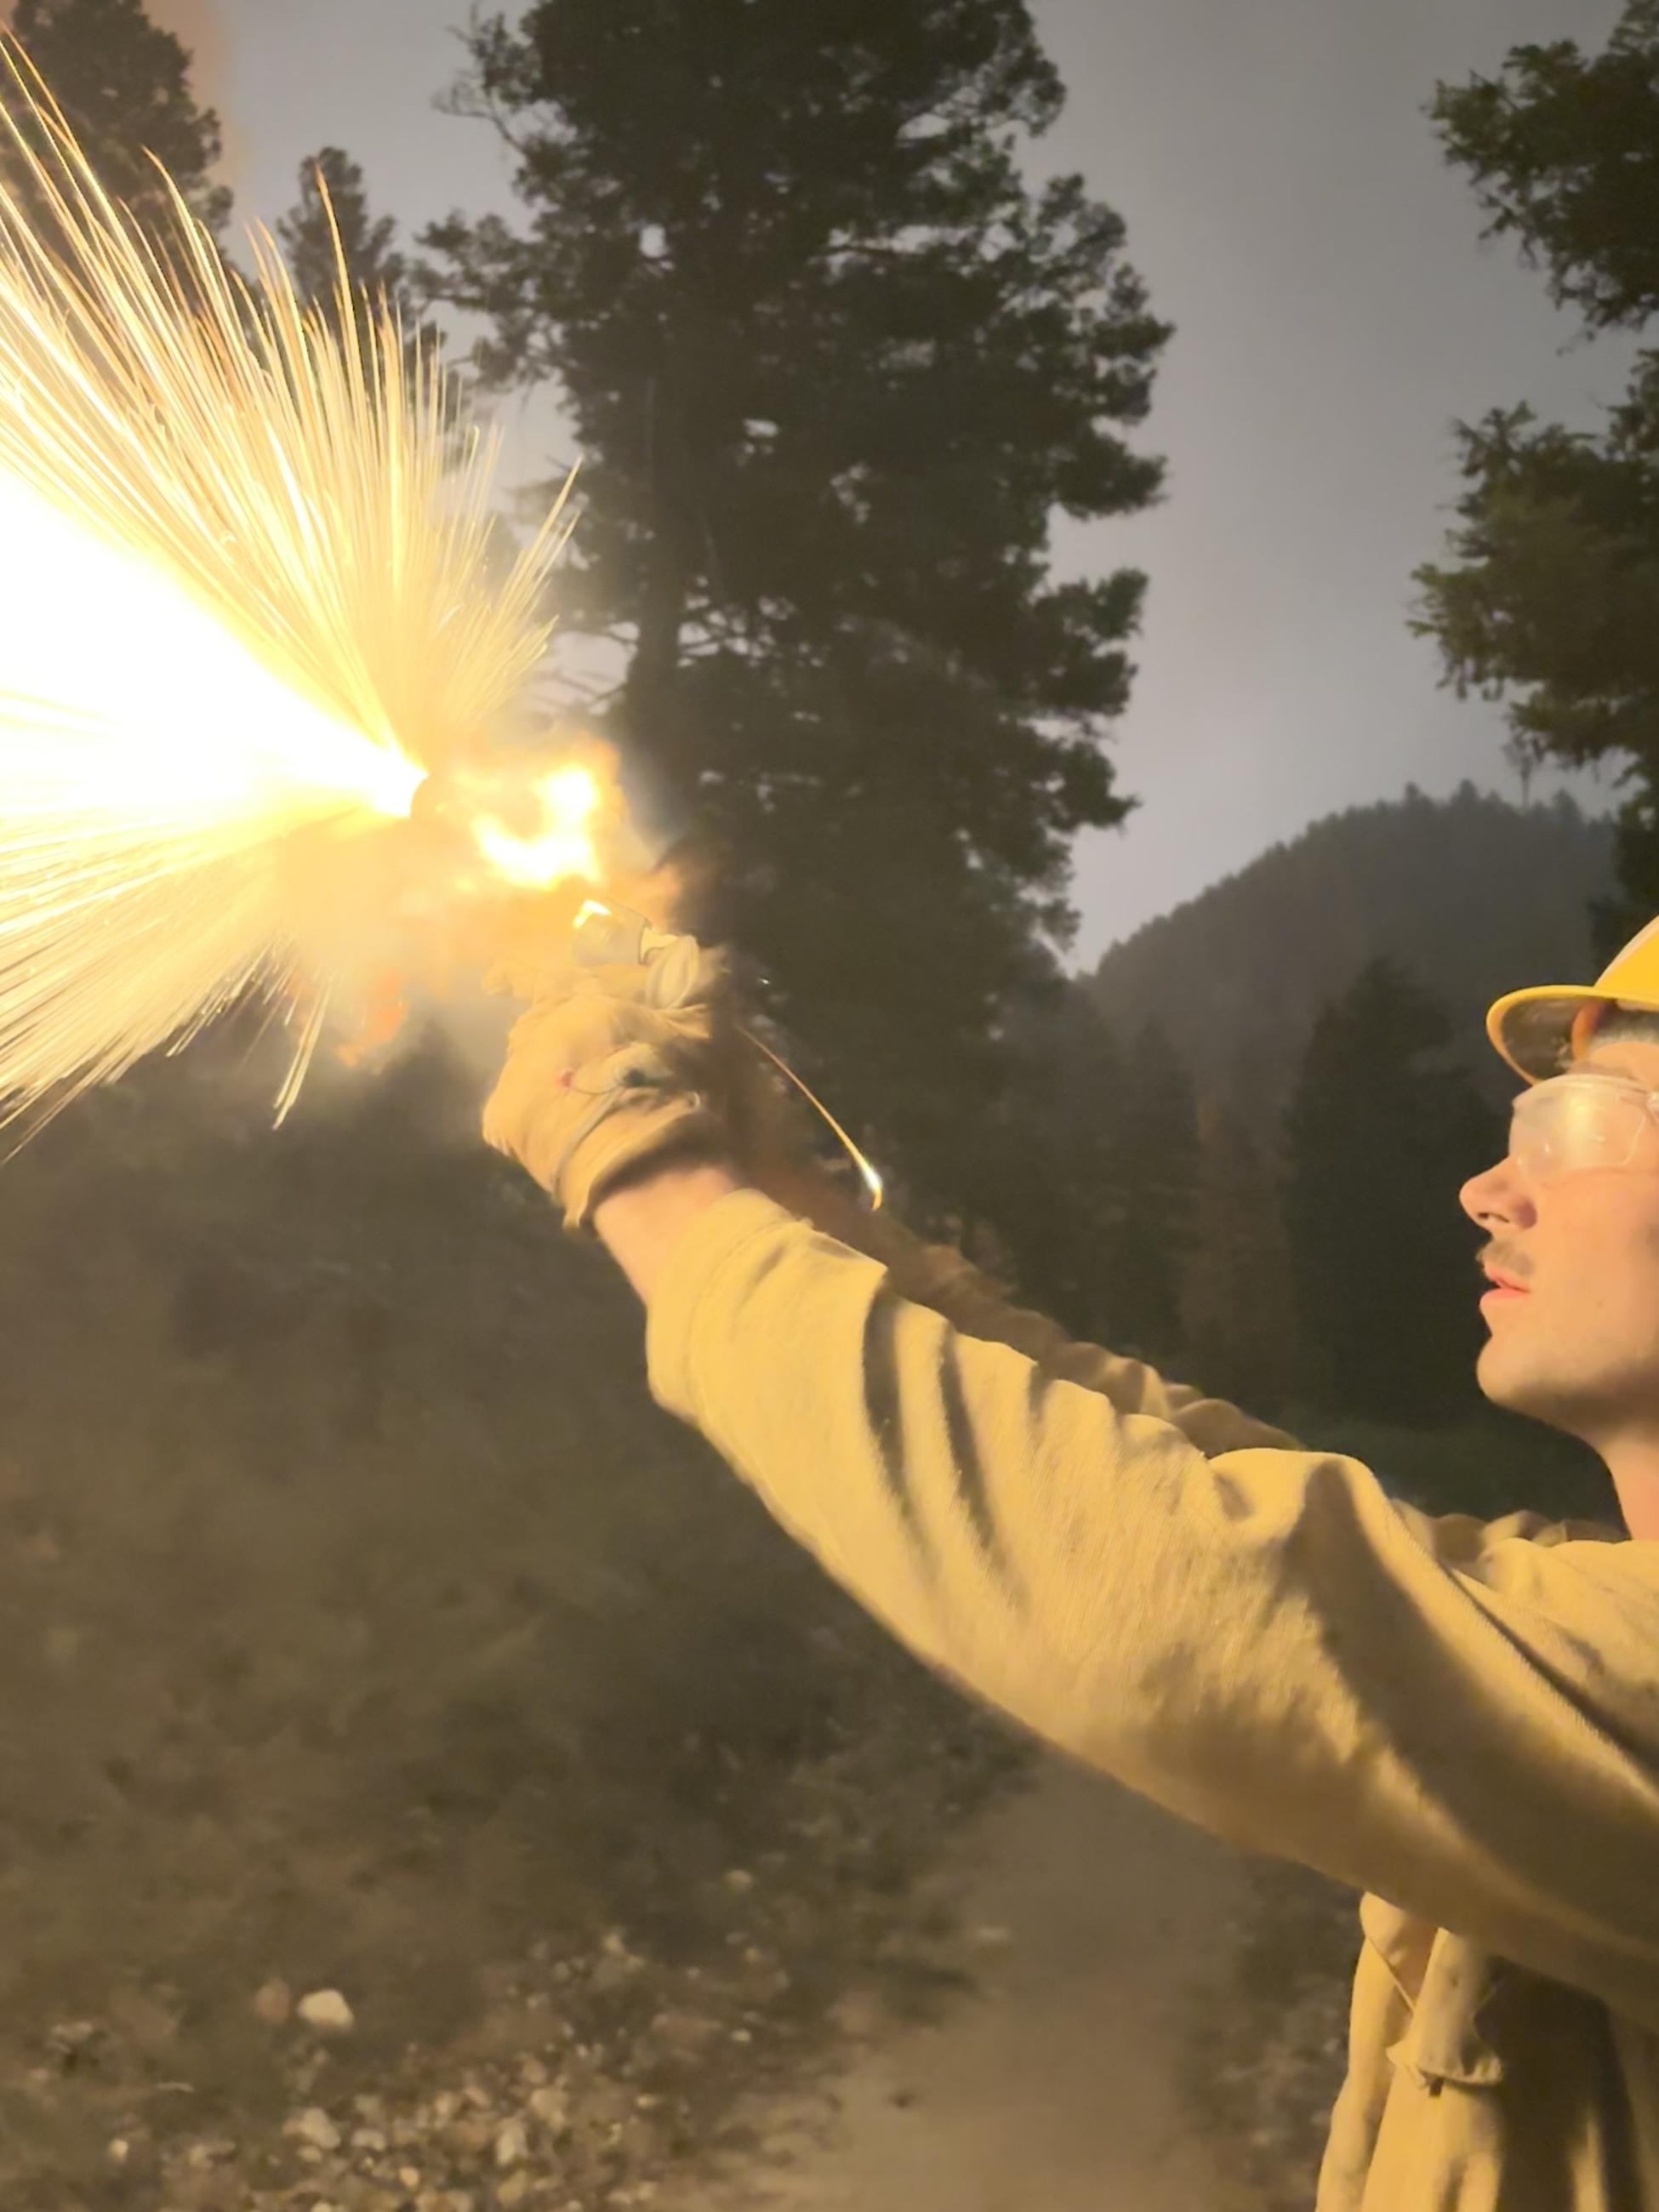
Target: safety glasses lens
x,y
1568,1124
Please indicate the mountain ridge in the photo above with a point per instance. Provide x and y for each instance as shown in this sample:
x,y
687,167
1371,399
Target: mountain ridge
x,y
1473,894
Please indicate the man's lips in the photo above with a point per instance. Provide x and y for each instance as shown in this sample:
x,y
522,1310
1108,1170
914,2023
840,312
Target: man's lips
x,y
1503,1286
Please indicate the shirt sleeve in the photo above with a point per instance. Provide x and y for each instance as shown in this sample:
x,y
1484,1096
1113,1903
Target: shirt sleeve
x,y
1464,1719
939,1277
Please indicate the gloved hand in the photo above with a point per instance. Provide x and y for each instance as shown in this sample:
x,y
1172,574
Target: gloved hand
x,y
613,1066
669,1020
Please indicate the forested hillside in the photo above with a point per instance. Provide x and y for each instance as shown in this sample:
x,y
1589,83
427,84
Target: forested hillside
x,y
1471,894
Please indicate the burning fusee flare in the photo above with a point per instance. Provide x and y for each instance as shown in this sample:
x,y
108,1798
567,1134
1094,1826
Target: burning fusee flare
x,y
259,656
252,599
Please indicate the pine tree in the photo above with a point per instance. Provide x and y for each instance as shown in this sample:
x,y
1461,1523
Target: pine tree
x,y
1379,1138
123,84
833,368
1048,1174
333,206
1236,1321
1155,1135
1552,597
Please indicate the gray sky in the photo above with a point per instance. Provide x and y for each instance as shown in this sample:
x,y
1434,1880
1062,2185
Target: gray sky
x,y
1336,314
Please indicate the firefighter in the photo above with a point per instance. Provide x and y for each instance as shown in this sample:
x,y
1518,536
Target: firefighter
x,y
1460,1720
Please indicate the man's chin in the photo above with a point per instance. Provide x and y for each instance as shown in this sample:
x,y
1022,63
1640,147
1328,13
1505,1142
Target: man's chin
x,y
1506,1380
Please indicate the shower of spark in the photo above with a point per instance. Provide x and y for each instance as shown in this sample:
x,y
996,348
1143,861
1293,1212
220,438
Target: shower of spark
x,y
254,599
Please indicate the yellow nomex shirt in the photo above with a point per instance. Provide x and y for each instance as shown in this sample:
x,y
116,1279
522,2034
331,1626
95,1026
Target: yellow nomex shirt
x,y
1461,1720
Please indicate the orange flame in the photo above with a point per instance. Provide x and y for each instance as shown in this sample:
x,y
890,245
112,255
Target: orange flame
x,y
485,881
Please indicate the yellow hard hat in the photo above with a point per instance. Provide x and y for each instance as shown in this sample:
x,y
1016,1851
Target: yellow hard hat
x,y
1544,1030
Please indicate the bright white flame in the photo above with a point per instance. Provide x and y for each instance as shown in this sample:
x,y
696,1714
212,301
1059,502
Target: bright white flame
x,y
151,772
206,734
250,578
563,844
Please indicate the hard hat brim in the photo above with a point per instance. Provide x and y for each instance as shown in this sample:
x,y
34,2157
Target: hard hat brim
x,y
1534,1030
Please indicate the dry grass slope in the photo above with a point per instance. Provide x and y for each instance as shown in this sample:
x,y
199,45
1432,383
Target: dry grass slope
x,y
363,1625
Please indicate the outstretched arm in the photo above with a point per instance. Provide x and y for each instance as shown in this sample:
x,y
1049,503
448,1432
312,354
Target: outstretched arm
x,y
1460,1719
1256,1637
641,1220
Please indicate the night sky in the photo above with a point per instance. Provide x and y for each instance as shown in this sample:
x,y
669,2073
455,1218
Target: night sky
x,y
1336,312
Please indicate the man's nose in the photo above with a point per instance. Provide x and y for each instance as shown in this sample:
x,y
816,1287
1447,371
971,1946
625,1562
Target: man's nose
x,y
1499,1193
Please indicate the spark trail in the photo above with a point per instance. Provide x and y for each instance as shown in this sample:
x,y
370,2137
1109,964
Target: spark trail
x,y
252,596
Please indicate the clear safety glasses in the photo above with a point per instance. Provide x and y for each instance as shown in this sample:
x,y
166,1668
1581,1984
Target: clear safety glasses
x,y
1582,1120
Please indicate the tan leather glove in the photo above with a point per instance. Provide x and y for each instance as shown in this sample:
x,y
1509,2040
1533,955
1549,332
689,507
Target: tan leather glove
x,y
615,1064
612,1066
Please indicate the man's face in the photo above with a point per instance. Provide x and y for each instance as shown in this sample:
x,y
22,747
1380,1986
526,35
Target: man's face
x,y
1574,1319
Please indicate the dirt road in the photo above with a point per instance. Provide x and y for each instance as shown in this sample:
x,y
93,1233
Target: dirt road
x,y
1097,1931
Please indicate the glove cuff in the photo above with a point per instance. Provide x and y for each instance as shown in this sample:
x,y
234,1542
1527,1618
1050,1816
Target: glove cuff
x,y
635,1131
